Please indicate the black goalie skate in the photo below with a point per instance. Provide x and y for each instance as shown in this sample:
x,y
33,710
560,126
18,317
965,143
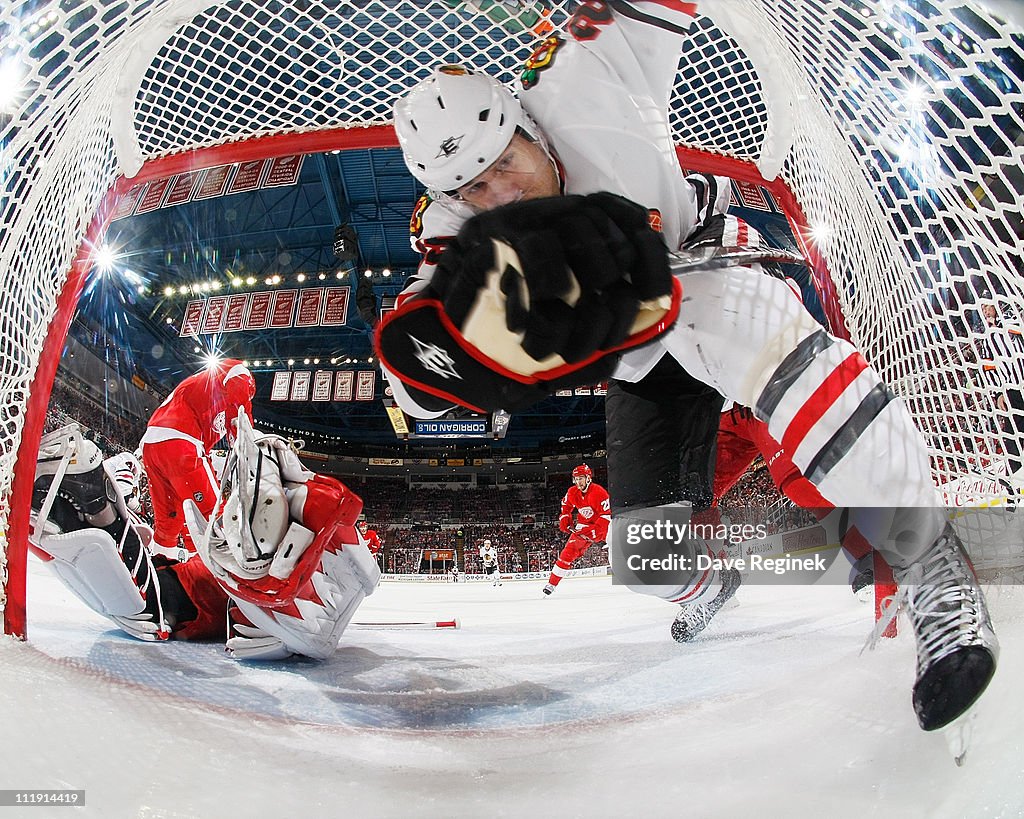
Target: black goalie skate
x,y
693,618
956,646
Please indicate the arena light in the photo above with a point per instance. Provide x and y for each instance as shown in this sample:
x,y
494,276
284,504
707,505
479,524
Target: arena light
x,y
12,84
212,359
104,258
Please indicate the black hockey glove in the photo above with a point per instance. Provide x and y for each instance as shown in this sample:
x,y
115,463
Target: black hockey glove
x,y
532,297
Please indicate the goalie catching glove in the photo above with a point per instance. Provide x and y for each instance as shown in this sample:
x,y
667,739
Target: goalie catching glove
x,y
531,297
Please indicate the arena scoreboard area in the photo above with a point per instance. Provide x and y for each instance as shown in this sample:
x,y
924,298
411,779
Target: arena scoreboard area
x,y
454,424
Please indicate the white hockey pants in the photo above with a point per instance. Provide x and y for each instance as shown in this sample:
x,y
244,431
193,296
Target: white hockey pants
x,y
748,335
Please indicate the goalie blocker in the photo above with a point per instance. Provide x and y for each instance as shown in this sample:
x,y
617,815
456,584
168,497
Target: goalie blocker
x,y
529,298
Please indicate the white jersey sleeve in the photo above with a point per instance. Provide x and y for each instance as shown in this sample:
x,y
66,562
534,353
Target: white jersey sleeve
x,y
434,224
602,101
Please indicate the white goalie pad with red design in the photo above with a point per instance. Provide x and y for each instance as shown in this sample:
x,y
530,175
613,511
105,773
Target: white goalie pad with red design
x,y
283,545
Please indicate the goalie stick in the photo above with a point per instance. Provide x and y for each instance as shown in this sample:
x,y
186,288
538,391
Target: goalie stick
x,y
403,625
716,258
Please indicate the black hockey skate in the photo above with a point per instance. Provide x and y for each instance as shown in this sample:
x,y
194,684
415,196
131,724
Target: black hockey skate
x,y
693,618
956,646
863,576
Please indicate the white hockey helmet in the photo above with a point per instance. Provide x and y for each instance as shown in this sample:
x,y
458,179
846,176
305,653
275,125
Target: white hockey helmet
x,y
453,125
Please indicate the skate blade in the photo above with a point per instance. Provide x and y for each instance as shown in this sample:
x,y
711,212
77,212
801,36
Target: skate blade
x,y
958,736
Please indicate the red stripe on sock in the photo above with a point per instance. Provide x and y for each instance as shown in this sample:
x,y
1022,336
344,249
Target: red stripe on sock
x,y
821,399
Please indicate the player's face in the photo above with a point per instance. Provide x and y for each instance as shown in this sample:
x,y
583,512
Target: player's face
x,y
523,171
582,482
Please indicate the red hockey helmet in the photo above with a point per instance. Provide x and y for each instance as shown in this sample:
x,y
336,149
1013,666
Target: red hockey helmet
x,y
583,471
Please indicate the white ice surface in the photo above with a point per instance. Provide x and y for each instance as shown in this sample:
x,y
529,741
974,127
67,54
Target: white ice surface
x,y
575,705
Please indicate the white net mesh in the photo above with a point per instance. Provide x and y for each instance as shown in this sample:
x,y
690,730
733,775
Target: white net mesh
x,y
899,128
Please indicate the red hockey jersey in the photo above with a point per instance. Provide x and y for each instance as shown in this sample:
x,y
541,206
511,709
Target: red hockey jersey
x,y
593,509
202,406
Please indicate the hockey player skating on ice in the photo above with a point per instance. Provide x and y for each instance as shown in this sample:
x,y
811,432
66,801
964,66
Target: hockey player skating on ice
x,y
294,594
593,514
369,536
454,572
489,556
523,290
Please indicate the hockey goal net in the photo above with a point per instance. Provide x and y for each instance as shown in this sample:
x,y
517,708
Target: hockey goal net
x,y
891,134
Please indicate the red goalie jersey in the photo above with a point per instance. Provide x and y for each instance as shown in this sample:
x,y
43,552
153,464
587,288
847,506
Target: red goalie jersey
x,y
593,512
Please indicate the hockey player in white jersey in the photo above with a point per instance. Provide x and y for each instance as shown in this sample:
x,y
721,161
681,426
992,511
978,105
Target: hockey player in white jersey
x,y
489,556
522,291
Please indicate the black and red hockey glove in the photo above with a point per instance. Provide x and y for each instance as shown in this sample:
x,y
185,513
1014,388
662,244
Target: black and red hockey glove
x,y
532,297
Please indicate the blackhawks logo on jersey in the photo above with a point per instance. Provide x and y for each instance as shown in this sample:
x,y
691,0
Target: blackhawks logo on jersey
x,y
416,222
542,58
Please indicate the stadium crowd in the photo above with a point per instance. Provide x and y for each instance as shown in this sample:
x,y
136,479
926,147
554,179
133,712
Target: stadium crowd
x,y
520,520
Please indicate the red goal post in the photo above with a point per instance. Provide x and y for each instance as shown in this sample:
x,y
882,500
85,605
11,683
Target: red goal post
x,y
890,133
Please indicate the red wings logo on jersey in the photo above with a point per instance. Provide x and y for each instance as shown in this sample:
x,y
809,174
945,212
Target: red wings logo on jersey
x,y
654,219
586,512
220,425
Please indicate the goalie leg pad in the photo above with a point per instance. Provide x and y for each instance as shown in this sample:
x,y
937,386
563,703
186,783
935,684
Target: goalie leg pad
x,y
87,562
312,626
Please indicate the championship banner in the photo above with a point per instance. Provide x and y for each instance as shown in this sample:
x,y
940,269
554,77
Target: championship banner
x,y
193,318
215,306
344,385
284,170
284,307
300,385
129,199
181,189
749,195
397,418
365,382
234,313
310,301
282,386
322,381
258,317
153,196
335,307
215,182
247,176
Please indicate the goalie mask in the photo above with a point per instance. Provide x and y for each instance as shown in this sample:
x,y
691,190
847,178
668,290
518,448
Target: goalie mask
x,y
256,513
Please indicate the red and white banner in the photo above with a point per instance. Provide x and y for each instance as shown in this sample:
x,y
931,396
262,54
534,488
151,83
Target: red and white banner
x,y
322,385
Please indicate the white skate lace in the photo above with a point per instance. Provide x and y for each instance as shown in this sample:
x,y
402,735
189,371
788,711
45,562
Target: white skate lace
x,y
942,601
152,585
696,616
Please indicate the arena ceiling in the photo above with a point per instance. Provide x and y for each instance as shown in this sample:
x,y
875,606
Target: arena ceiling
x,y
269,239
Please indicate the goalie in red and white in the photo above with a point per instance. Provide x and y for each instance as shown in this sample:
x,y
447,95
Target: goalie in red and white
x,y
280,550
593,516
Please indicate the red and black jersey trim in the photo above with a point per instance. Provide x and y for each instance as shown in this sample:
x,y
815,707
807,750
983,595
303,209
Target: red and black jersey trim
x,y
462,374
629,10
